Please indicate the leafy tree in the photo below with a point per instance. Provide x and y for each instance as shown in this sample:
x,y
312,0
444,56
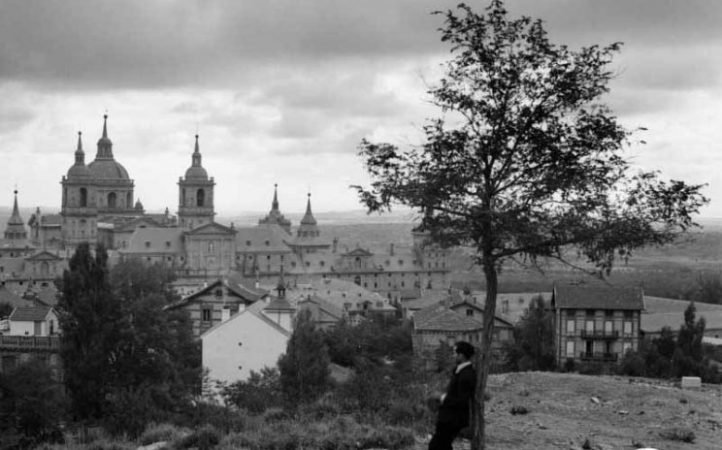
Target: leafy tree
x,y
304,367
91,322
257,393
709,288
119,346
533,345
5,309
32,406
524,161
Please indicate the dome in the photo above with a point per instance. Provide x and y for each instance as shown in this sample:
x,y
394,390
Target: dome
x,y
196,173
78,171
108,169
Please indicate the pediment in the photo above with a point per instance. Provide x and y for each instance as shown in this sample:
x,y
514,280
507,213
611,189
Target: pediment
x,y
358,252
43,256
213,229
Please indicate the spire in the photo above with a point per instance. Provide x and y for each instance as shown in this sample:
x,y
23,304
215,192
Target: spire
x,y
79,154
274,204
308,218
15,217
105,145
196,154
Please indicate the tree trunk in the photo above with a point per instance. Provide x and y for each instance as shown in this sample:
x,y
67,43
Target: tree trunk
x,y
483,360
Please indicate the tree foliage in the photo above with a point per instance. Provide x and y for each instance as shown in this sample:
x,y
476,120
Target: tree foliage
x,y
304,367
119,346
32,406
533,344
525,160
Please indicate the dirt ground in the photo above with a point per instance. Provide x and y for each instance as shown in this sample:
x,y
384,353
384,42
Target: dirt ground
x,y
570,411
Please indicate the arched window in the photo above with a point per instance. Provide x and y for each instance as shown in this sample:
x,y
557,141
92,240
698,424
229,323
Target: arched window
x,y
128,200
44,268
183,197
200,198
112,200
83,197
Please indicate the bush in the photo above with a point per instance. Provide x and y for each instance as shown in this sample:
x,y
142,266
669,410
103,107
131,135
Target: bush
x,y
259,392
220,417
678,434
632,365
592,368
162,433
569,365
204,438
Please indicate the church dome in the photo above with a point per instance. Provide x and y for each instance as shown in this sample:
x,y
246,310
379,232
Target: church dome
x,y
77,171
108,169
196,173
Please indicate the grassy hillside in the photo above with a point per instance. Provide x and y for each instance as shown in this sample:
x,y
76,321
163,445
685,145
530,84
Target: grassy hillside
x,y
563,412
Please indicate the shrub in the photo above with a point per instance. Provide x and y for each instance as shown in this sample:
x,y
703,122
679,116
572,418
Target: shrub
x,y
220,417
162,433
204,438
569,365
592,368
678,434
633,365
259,392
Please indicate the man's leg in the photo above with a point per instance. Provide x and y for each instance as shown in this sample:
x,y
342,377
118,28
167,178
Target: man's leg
x,y
443,436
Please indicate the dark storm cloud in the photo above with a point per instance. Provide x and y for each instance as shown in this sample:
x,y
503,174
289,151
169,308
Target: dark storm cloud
x,y
139,44
148,44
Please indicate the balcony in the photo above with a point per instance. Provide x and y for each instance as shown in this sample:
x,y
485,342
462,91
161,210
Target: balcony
x,y
600,334
602,357
30,343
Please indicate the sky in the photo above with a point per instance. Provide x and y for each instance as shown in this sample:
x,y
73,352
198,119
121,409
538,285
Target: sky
x,y
284,91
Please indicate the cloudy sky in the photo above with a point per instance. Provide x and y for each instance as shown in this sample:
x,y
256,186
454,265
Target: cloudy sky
x,y
283,91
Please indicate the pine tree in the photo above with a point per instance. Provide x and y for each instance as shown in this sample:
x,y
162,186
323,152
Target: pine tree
x,y
304,366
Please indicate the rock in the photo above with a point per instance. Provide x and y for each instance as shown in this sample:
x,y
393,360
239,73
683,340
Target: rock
x,y
622,412
595,400
691,383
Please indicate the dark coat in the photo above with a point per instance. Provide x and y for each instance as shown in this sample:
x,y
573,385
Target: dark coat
x,y
456,406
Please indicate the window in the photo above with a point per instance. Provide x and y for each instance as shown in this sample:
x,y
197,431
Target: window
x,y
167,244
469,312
321,263
628,314
147,244
200,198
570,348
590,312
248,243
589,326
608,313
608,327
268,257
206,314
219,292
268,243
570,326
627,327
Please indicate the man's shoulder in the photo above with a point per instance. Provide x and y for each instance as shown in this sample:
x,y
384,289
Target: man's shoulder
x,y
467,371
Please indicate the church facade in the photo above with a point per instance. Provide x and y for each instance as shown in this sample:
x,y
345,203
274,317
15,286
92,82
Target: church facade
x,y
99,207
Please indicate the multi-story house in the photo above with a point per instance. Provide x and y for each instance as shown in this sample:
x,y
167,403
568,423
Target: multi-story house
x,y
596,323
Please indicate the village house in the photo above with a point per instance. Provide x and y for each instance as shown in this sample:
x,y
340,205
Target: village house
x,y
29,332
596,323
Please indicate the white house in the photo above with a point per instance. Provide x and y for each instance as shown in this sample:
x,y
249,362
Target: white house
x,y
33,321
248,340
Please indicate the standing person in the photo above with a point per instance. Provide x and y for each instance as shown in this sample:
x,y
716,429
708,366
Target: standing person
x,y
455,406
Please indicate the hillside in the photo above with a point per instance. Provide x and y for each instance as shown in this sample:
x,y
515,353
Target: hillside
x,y
564,412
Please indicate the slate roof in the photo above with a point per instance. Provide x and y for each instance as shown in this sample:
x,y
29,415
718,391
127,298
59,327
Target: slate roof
x,y
253,239
154,241
7,296
279,304
446,320
316,303
29,314
259,315
249,294
597,297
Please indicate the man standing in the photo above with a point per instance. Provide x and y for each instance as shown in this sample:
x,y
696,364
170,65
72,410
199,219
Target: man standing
x,y
455,406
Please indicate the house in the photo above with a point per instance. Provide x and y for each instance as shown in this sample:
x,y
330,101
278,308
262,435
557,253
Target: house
x,y
32,332
247,341
324,314
217,301
439,324
596,323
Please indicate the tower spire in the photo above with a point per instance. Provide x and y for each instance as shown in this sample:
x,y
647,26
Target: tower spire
x,y
196,158
105,145
308,218
274,204
79,154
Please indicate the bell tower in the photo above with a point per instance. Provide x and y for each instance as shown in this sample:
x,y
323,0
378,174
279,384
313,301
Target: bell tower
x,y
195,194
